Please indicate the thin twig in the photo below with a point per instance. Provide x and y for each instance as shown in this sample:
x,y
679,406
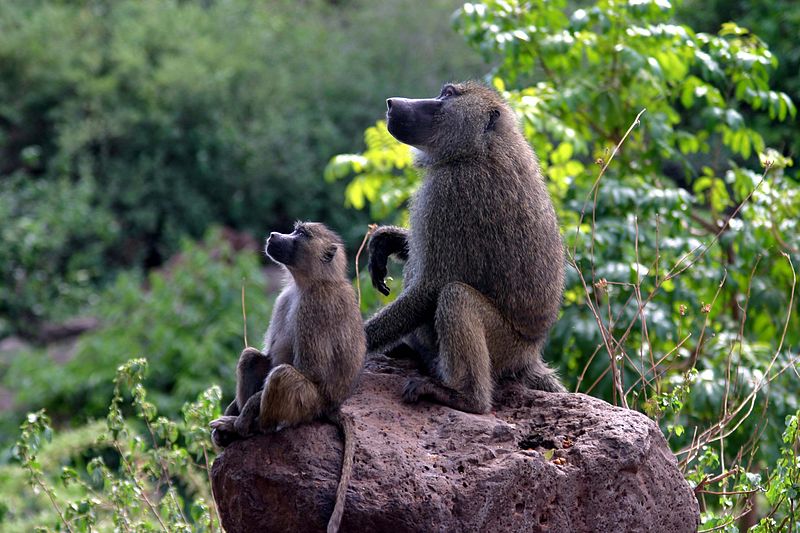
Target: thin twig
x,y
164,466
716,479
370,229
674,272
47,491
717,431
244,316
139,486
586,367
707,310
606,334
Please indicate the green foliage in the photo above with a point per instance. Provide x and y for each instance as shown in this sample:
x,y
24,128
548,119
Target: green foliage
x,y
384,177
680,300
771,20
783,491
188,322
131,475
175,116
50,257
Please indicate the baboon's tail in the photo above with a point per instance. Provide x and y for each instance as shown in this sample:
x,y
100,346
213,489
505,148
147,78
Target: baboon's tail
x,y
539,376
347,429
547,382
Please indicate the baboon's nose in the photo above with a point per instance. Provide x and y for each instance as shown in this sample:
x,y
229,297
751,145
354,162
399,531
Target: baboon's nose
x,y
271,235
389,104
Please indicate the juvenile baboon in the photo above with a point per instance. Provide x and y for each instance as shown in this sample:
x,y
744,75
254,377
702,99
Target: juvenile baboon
x,y
313,349
484,273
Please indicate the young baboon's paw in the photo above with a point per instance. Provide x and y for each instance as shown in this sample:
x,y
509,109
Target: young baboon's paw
x,y
223,432
415,389
225,423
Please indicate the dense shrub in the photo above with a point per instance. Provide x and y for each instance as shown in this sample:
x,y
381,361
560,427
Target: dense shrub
x,y
187,114
188,322
773,21
54,250
138,471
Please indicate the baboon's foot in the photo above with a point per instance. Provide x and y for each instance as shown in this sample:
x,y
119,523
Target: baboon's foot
x,y
416,389
426,388
223,431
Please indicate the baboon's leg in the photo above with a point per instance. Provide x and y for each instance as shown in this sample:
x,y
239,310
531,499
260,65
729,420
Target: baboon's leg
x,y
223,432
424,343
251,371
232,409
229,428
477,345
464,319
288,398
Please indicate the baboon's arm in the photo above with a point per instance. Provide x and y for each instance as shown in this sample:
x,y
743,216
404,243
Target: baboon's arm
x,y
386,241
247,422
237,425
413,307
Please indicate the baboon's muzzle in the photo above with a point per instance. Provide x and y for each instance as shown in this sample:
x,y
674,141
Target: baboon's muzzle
x,y
411,121
280,248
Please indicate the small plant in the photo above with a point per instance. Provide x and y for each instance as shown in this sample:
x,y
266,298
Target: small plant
x,y
145,473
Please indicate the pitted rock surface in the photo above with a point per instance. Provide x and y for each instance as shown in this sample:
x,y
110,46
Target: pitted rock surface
x,y
539,462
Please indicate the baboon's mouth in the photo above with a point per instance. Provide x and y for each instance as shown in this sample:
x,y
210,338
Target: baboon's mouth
x,y
277,251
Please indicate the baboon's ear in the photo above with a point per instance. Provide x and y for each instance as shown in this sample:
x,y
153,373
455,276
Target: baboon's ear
x,y
329,253
494,114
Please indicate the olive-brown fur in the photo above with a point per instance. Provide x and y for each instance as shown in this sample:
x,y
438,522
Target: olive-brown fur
x,y
313,349
484,274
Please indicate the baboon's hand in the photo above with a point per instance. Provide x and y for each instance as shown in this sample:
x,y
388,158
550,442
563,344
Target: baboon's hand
x,y
378,271
385,241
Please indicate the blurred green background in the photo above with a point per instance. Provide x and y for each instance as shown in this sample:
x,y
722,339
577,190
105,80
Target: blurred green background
x,y
146,148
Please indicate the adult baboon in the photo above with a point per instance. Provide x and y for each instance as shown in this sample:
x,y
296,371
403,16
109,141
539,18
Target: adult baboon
x,y
313,349
485,264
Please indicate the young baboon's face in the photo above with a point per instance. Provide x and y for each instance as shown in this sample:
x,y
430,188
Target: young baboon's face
x,y
311,250
460,116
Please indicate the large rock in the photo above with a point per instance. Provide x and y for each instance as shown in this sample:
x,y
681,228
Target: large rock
x,y
540,462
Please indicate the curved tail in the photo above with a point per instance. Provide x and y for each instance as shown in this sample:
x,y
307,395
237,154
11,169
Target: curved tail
x,y
539,376
347,429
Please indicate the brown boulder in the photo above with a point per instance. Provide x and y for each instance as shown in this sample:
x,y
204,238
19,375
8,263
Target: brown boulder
x,y
540,462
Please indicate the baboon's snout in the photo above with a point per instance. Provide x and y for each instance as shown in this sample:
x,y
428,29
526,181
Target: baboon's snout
x,y
388,104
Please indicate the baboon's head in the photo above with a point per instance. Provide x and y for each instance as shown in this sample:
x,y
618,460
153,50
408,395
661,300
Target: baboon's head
x,y
463,119
311,252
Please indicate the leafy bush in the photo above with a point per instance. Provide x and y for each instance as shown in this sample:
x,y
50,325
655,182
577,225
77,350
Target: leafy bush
x,y
183,123
51,257
680,300
126,474
188,322
183,120
771,20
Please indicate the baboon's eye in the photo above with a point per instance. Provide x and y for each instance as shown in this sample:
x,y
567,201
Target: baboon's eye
x,y
303,232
